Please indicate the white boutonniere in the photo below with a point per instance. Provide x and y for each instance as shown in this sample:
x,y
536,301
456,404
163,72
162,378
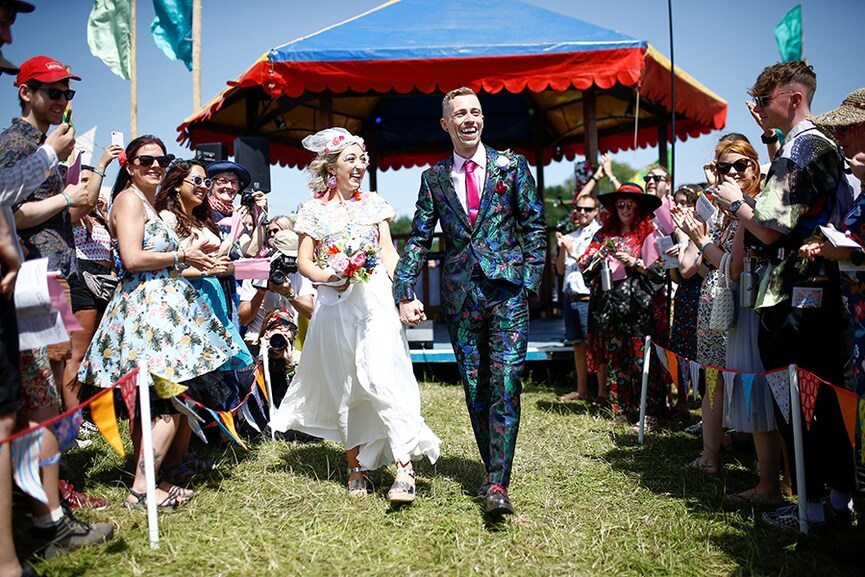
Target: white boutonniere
x,y
504,162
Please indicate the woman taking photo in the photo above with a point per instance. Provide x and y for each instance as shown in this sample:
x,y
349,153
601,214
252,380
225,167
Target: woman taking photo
x,y
354,383
737,167
155,315
621,315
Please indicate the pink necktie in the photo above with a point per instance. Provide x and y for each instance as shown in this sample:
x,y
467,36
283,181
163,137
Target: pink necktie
x,y
472,197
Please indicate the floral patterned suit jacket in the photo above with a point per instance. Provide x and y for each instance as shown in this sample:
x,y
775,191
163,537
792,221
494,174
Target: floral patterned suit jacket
x,y
507,242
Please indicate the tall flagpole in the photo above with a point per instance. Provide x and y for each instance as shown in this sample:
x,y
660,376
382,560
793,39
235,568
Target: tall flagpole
x,y
133,75
196,55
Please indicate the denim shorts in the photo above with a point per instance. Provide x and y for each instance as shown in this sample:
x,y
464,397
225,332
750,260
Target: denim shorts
x,y
576,315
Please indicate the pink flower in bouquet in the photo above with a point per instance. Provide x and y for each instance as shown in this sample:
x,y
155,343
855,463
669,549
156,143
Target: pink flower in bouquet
x,y
358,259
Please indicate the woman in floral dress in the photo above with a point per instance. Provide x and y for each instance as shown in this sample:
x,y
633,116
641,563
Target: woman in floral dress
x,y
354,383
620,318
155,315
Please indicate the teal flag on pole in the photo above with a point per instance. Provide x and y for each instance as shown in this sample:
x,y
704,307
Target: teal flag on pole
x,y
788,33
109,34
172,29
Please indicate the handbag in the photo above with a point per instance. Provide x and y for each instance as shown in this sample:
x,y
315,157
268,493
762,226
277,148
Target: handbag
x,y
101,286
723,311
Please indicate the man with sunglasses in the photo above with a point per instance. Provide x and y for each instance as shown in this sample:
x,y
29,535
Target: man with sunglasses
x,y
575,309
803,318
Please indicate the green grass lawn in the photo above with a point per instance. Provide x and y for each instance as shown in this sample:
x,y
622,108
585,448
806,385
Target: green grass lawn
x,y
590,501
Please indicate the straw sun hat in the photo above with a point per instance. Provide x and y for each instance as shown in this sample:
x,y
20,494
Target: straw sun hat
x,y
851,111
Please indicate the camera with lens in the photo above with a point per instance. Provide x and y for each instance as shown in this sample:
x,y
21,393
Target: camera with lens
x,y
246,199
280,267
277,342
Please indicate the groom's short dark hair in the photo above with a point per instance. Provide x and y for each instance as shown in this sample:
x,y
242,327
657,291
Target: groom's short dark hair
x,y
461,91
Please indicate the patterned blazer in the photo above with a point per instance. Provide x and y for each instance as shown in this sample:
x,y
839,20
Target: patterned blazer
x,y
508,240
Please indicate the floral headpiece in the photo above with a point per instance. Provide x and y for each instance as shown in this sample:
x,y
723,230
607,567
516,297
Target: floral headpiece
x,y
330,139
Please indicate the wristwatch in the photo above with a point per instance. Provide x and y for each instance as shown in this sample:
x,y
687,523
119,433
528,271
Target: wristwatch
x,y
857,256
770,138
735,206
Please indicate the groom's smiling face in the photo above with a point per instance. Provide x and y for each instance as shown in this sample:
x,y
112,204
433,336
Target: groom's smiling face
x,y
464,122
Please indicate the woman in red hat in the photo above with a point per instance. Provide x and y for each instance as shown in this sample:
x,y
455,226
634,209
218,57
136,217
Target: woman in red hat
x,y
621,312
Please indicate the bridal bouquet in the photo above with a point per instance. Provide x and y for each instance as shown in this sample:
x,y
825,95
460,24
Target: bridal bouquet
x,y
353,259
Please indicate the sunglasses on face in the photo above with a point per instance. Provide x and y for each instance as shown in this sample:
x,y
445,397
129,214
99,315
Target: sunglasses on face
x,y
626,204
767,98
56,93
147,160
740,165
199,182
656,177
584,208
272,231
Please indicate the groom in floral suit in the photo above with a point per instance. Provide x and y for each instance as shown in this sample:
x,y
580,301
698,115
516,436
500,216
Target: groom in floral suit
x,y
495,248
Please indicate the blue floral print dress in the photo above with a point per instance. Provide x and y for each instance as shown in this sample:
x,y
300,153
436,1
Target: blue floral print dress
x,y
158,316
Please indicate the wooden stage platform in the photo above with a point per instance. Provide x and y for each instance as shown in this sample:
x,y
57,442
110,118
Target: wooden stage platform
x,y
429,342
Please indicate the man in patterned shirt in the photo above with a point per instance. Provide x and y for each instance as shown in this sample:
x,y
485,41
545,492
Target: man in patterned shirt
x,y
803,319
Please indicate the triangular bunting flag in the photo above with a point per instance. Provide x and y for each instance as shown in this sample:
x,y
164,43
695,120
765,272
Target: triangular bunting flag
x,y
66,429
695,373
104,417
673,367
257,396
165,388
662,356
247,416
729,383
747,387
711,384
259,379
779,384
128,385
848,404
193,418
226,422
809,384
25,464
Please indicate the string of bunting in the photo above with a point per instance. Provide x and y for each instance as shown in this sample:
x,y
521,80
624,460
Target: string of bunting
x,y
852,405
26,445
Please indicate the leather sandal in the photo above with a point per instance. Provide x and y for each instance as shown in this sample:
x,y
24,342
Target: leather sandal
x,y
402,492
710,469
177,497
357,487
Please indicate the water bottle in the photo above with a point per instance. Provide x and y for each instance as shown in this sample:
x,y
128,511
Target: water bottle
x,y
606,276
748,285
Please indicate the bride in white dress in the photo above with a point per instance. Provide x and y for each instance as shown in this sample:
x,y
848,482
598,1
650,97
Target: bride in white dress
x,y
355,382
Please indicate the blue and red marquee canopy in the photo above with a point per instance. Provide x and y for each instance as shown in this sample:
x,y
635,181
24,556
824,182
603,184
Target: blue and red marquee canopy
x,y
382,74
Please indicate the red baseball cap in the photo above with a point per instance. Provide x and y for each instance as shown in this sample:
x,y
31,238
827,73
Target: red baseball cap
x,y
43,69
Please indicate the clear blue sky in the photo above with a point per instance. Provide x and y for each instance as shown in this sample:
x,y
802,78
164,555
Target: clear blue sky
x,y
722,43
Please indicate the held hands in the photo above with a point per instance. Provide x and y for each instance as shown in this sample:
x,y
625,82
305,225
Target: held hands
x,y
108,155
625,258
819,246
411,312
607,165
283,289
196,255
219,268
78,195
62,140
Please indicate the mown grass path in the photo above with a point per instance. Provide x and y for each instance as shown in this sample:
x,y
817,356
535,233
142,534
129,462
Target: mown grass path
x,y
589,499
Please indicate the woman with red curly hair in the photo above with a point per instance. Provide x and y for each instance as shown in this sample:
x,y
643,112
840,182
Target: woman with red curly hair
x,y
621,316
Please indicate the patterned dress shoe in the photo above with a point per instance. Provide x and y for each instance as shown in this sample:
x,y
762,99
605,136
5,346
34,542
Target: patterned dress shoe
x,y
496,502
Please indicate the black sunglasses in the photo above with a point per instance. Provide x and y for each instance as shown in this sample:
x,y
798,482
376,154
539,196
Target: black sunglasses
x,y
584,208
147,160
740,165
655,177
56,93
199,182
765,99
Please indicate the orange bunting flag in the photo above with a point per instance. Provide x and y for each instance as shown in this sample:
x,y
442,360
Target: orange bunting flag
x,y
104,417
848,402
809,384
259,379
225,420
711,384
673,365
165,388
